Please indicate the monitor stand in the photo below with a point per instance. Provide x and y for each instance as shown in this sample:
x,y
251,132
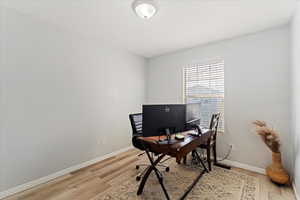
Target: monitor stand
x,y
198,129
168,139
168,133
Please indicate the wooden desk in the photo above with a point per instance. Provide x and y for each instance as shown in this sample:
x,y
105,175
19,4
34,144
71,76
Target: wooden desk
x,y
177,149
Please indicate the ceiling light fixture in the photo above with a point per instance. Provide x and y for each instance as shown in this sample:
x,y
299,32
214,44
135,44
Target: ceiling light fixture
x,y
145,9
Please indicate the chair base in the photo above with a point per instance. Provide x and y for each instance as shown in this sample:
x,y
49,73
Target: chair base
x,y
139,176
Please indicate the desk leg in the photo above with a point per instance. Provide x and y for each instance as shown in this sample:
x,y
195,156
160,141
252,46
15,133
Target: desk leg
x,y
157,173
195,153
184,160
192,185
215,159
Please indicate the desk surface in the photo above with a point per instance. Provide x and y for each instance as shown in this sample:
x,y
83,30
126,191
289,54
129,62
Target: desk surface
x,y
177,148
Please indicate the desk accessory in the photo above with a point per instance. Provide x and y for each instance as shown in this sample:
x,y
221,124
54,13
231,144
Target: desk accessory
x,y
179,136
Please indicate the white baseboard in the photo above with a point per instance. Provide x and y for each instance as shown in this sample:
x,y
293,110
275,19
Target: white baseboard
x,y
244,166
296,192
45,179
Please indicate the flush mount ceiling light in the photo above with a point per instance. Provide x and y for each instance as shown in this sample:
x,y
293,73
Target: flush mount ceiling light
x,y
145,9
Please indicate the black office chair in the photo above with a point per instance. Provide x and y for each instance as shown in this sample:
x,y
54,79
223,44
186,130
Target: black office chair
x,y
136,121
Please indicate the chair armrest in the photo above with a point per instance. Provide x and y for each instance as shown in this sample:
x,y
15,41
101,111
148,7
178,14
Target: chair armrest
x,y
136,135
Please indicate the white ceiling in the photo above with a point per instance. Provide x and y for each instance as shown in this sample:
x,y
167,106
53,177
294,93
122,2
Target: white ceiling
x,y
178,24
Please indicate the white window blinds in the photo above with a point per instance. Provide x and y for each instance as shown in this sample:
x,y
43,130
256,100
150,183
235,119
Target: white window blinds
x,y
204,84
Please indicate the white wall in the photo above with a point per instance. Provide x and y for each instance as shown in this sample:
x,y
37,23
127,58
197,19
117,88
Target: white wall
x,y
1,102
256,87
64,99
295,31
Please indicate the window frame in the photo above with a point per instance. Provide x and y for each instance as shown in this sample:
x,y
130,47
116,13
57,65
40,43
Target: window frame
x,y
206,62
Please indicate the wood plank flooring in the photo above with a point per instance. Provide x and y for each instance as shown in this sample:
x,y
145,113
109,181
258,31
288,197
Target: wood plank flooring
x,y
89,182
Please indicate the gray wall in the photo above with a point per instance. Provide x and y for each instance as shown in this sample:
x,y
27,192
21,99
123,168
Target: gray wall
x,y
256,87
295,31
64,99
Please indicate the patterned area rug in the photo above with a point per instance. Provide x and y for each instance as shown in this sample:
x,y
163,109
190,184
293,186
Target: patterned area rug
x,y
219,184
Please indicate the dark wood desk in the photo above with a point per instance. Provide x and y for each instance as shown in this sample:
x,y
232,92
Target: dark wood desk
x,y
177,149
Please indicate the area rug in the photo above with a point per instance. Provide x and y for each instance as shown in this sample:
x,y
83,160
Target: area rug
x,y
219,184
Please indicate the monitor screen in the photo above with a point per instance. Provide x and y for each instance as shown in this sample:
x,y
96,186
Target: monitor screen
x,y
158,118
193,112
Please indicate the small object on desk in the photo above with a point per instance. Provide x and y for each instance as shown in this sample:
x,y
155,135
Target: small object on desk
x,y
179,136
193,133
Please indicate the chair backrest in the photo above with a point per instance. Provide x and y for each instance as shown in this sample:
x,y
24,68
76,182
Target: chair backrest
x,y
136,121
214,123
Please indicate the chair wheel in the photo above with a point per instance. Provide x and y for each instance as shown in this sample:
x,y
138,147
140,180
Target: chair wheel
x,y
167,169
138,178
137,167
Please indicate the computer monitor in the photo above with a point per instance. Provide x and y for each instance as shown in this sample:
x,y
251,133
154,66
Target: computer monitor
x,y
193,113
193,117
163,119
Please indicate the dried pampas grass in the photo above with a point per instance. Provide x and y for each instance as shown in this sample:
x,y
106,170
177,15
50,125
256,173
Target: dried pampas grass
x,y
269,136
259,123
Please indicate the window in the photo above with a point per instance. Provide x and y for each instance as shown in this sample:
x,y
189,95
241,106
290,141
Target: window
x,y
204,84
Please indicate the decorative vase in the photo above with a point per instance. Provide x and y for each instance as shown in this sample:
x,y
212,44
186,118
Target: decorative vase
x,y
276,172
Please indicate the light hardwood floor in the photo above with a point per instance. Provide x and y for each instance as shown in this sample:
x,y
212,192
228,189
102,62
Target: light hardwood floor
x,y
89,182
